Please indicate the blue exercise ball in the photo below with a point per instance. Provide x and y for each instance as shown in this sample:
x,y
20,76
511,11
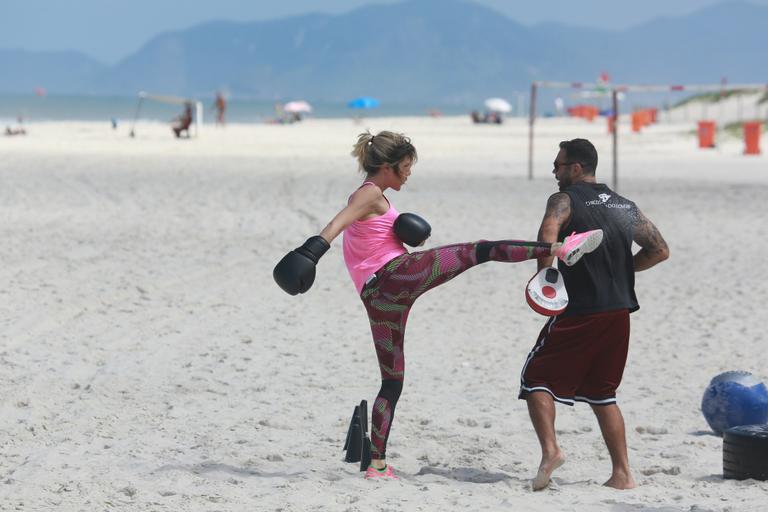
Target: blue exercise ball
x,y
733,399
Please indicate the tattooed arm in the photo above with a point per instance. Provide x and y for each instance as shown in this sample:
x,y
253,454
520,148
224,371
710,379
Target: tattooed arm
x,y
653,248
557,215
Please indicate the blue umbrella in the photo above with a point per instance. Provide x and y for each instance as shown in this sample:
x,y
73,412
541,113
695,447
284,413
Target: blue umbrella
x,y
363,102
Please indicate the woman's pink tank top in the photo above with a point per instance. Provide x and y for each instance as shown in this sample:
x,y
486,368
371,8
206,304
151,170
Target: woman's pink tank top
x,y
369,244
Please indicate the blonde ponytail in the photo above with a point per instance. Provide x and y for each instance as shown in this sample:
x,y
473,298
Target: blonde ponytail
x,y
385,148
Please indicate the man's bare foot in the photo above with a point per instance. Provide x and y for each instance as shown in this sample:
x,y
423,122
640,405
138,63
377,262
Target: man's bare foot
x,y
546,468
621,481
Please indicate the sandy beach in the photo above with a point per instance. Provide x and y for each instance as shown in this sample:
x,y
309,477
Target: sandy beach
x,y
149,362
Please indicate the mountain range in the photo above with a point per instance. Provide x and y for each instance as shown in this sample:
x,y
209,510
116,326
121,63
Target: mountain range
x,y
449,51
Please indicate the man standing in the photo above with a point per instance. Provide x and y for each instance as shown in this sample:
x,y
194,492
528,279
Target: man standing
x,y
220,104
580,354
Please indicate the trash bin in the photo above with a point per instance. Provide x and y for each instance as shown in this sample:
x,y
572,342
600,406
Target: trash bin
x,y
752,137
706,134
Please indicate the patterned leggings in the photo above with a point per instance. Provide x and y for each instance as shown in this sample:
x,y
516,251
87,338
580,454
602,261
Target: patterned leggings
x,y
389,298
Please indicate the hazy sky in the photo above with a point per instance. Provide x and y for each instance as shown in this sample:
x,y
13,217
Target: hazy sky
x,y
110,29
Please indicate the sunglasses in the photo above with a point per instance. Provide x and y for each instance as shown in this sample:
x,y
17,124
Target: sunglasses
x,y
557,165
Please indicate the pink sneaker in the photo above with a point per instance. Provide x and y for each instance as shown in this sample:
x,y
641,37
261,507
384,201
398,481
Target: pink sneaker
x,y
577,245
380,474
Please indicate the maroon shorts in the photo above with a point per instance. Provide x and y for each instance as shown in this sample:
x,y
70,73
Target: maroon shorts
x,y
579,358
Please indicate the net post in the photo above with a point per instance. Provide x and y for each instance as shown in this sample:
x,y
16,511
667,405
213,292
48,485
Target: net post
x,y
615,115
531,120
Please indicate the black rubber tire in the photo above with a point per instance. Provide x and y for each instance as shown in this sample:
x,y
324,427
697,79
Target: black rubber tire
x,y
745,452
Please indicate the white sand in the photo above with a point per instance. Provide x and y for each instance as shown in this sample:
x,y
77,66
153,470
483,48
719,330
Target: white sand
x,y
149,362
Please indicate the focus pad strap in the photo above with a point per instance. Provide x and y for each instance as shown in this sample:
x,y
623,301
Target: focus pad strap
x,y
546,293
314,248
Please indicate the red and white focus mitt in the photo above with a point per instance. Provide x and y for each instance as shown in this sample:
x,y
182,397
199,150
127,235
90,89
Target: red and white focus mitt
x,y
546,293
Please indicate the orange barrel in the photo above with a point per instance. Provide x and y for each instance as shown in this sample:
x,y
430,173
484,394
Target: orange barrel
x,y
706,134
637,121
654,115
647,117
752,137
611,123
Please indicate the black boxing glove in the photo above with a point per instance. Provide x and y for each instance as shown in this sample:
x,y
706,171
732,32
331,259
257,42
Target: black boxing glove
x,y
295,273
412,229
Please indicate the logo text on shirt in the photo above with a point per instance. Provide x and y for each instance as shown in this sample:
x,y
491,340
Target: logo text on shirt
x,y
604,201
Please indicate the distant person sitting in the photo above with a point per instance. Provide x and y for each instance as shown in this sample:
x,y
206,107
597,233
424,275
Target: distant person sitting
x,y
183,122
19,130
493,117
14,131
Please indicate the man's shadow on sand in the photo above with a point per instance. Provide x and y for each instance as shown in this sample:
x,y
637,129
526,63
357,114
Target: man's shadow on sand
x,y
472,475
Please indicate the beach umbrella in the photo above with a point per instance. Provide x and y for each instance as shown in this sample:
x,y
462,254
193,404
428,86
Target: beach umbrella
x,y
498,105
363,102
299,106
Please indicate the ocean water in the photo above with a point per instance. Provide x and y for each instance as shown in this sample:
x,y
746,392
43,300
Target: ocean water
x,y
123,109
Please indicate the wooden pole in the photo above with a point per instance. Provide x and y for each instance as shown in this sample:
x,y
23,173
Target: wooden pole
x,y
615,114
132,133
531,119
